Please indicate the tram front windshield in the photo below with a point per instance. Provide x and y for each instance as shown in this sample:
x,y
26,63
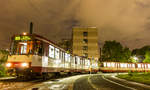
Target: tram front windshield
x,y
22,45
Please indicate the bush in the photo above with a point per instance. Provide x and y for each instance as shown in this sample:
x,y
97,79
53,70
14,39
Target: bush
x,y
2,71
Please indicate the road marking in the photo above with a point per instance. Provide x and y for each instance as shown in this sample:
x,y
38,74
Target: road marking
x,y
118,84
92,83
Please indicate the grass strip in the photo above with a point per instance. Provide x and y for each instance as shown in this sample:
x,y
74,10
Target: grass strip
x,y
136,77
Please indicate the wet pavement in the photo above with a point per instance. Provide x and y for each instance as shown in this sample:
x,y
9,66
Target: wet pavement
x,y
81,82
57,84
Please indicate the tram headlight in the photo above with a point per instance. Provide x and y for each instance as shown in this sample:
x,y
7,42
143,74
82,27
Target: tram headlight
x,y
8,64
24,64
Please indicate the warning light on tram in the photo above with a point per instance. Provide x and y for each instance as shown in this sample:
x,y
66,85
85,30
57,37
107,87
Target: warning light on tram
x,y
24,33
8,65
24,64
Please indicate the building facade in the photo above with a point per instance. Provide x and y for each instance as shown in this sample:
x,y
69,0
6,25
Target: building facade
x,y
85,42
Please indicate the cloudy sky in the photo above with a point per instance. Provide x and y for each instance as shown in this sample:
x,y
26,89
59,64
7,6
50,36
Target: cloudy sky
x,y
126,21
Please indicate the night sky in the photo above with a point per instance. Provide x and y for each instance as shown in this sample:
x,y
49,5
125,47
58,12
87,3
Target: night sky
x,y
126,21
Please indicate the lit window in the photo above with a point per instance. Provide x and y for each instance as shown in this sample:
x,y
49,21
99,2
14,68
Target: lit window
x,y
113,64
78,60
148,65
133,65
51,51
142,65
56,53
23,48
89,62
69,57
139,65
125,65
108,65
129,66
66,57
104,64
145,66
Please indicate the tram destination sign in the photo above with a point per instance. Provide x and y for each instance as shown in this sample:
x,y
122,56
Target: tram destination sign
x,y
22,38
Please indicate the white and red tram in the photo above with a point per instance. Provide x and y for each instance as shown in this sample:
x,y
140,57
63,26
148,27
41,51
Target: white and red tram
x,y
31,53
124,67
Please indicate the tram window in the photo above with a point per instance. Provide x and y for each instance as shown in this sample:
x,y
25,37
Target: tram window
x,y
108,65
148,65
142,65
139,65
104,64
89,63
51,51
83,61
133,65
78,60
66,57
56,53
69,57
22,47
113,64
38,48
60,54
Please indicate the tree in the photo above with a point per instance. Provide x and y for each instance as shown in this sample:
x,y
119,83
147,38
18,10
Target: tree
x,y
3,59
126,54
66,44
3,56
147,57
114,51
141,51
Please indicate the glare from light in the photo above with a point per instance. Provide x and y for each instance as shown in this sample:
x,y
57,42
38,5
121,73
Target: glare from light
x,y
135,58
8,65
24,33
24,64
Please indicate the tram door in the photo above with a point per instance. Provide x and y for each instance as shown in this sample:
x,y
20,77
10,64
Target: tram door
x,y
22,48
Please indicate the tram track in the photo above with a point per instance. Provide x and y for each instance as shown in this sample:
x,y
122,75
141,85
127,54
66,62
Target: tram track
x,y
17,84
20,84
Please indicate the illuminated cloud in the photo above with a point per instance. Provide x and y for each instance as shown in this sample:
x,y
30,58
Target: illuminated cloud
x,y
127,21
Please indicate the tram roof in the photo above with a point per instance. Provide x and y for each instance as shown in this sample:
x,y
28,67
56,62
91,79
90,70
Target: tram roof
x,y
45,40
39,37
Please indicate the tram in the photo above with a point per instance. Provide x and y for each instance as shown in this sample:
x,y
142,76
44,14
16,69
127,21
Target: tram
x,y
32,55
124,67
